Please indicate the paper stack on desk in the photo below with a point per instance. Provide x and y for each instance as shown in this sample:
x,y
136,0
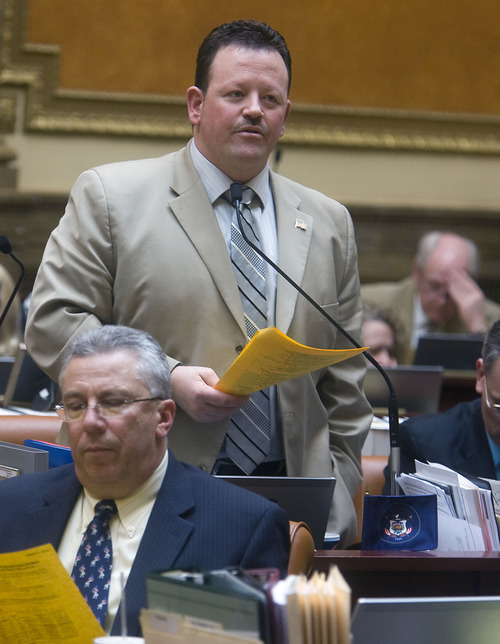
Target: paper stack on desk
x,y
216,607
466,513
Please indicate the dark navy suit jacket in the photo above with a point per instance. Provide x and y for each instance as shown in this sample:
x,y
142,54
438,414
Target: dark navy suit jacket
x,y
455,438
196,521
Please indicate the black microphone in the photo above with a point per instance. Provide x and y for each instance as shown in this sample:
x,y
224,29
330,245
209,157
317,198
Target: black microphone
x,y
392,406
6,248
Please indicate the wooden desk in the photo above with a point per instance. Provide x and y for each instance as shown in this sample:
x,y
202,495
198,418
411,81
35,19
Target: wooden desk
x,y
414,574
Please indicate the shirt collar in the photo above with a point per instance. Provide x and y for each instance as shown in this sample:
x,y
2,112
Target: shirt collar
x,y
216,182
144,493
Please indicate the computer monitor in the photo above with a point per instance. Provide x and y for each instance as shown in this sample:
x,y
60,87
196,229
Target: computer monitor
x,y
433,620
417,388
303,498
28,385
6,364
453,351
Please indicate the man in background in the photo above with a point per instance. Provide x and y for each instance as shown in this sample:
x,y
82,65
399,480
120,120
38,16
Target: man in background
x,y
117,406
467,436
151,244
441,295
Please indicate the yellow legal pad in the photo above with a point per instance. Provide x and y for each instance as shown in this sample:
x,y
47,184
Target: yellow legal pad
x,y
40,603
272,357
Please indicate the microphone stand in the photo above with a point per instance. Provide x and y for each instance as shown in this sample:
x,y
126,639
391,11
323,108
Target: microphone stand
x,y
392,406
6,248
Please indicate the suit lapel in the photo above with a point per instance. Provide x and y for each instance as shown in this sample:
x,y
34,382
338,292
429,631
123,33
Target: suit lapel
x,y
294,239
48,523
204,232
163,540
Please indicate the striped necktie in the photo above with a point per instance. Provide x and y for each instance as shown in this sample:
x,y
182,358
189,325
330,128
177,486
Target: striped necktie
x,y
94,560
249,436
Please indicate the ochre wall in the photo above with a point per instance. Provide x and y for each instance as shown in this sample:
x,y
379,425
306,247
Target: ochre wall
x,y
397,54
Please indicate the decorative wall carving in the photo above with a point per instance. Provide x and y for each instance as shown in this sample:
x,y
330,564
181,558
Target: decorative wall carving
x,y
49,107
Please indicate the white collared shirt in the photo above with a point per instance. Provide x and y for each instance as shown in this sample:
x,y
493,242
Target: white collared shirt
x,y
215,183
127,529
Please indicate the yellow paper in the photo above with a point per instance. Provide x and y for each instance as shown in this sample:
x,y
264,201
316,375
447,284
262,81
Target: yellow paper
x,y
40,603
272,357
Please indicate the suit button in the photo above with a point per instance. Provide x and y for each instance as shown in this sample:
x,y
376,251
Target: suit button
x,y
239,348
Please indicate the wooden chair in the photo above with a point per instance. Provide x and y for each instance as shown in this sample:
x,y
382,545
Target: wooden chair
x,y
14,429
373,482
301,549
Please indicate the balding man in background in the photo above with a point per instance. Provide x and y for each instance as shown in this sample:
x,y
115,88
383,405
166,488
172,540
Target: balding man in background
x,y
441,294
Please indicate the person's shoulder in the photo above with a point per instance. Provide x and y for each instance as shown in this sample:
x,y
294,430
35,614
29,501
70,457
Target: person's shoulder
x,y
452,420
132,172
131,166
288,188
37,483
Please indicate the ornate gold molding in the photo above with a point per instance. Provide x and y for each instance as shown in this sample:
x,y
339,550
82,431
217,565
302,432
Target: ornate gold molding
x,y
49,109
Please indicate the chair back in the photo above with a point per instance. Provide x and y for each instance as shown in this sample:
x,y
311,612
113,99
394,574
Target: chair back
x,y
301,549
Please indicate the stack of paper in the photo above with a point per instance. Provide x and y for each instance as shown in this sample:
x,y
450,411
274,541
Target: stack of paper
x,y
40,603
466,514
314,611
189,606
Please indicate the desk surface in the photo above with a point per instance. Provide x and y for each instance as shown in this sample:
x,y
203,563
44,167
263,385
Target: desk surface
x,y
414,574
407,560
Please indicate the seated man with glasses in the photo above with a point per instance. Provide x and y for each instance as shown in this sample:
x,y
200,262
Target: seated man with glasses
x,y
144,509
467,436
441,294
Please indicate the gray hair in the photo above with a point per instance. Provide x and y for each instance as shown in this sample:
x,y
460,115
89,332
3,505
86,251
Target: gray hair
x,y
491,347
429,241
152,368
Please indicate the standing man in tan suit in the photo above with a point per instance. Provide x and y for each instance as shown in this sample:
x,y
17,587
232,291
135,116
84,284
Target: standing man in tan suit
x,y
145,244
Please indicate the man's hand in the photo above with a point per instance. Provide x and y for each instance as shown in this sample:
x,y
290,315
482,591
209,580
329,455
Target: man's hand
x,y
193,390
469,300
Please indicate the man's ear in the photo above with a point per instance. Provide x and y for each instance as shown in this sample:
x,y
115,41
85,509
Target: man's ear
x,y
194,100
166,410
479,375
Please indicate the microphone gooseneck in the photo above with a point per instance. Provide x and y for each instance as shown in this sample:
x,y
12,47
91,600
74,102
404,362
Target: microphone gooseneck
x,y
6,248
392,406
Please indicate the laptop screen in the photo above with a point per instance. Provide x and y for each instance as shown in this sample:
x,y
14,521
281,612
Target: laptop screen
x,y
433,620
417,388
303,499
453,351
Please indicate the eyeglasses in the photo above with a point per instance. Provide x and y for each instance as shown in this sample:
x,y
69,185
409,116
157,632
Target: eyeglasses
x,y
433,288
105,408
493,406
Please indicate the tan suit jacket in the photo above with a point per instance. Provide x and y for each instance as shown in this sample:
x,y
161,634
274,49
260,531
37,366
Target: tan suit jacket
x,y
399,298
140,245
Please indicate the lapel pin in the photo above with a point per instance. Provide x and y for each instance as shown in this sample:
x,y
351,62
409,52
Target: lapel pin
x,y
299,223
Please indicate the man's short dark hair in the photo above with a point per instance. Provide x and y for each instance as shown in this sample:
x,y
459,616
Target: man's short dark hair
x,y
241,33
491,347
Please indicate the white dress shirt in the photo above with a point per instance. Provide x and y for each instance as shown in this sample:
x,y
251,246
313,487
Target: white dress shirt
x,y
127,529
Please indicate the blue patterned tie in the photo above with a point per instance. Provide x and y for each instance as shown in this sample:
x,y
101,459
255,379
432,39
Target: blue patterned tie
x,y
248,438
94,560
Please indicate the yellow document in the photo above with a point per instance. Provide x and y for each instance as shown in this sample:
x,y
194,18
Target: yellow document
x,y
272,357
40,603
